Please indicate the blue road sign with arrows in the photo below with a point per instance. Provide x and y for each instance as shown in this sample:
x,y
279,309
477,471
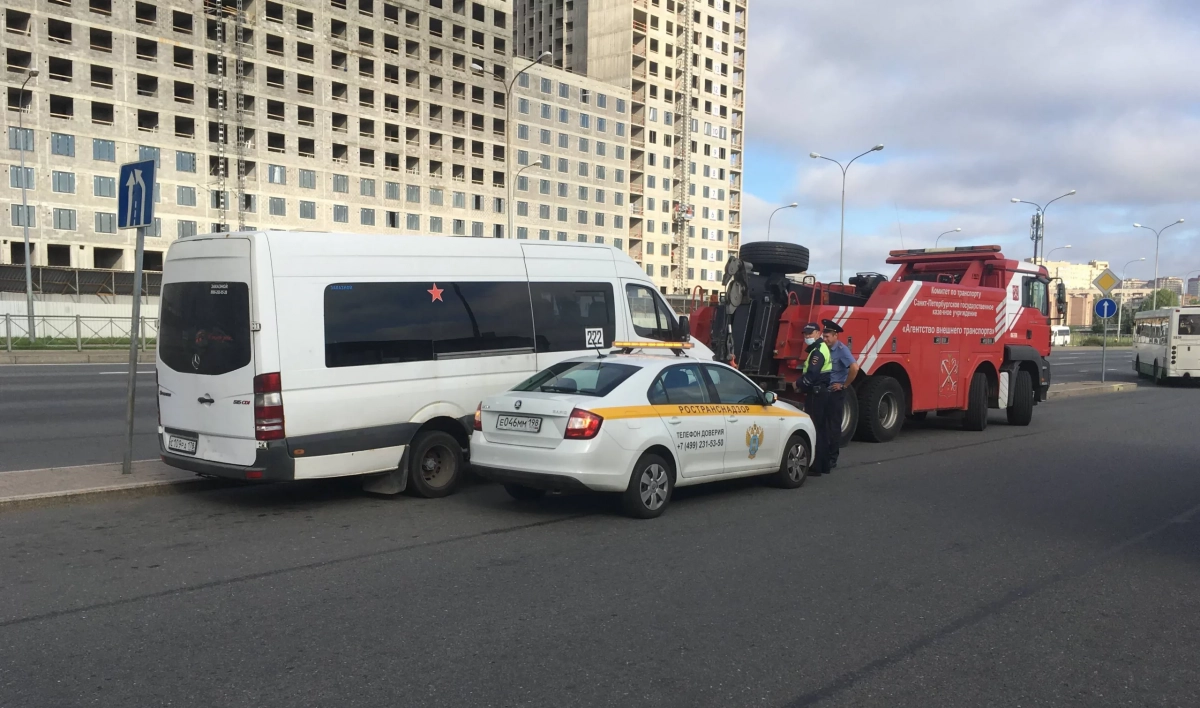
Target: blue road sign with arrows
x,y
1105,308
135,195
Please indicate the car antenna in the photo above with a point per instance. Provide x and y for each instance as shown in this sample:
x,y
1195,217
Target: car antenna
x,y
599,353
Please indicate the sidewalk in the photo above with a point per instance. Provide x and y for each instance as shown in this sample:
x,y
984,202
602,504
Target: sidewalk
x,y
1088,388
61,484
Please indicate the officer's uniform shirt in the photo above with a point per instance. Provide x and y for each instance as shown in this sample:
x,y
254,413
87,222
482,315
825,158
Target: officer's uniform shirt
x,y
842,361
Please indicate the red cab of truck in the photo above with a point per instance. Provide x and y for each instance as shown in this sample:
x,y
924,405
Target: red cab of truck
x,y
955,331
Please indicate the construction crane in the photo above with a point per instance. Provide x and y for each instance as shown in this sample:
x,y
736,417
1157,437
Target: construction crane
x,y
220,12
684,79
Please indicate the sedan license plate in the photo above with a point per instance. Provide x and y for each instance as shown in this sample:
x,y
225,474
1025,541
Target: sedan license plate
x,y
519,423
184,445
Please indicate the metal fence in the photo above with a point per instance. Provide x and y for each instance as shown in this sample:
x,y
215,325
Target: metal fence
x,y
77,281
78,333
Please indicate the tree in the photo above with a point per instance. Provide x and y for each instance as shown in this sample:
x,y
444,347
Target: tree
x,y
1166,298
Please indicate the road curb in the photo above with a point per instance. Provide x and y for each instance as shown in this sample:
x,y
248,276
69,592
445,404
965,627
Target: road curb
x,y
1090,389
131,491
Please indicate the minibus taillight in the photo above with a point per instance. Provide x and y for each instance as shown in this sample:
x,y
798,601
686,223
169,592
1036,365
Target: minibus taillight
x,y
583,425
268,407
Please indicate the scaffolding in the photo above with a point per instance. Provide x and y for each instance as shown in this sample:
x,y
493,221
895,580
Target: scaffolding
x,y
684,84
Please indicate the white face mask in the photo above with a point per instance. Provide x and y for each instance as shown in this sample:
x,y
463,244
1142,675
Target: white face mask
x,y
810,340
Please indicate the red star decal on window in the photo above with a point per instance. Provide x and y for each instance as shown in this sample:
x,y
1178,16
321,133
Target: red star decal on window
x,y
436,293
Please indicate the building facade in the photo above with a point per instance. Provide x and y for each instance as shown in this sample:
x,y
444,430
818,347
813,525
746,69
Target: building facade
x,y
684,64
365,116
1076,276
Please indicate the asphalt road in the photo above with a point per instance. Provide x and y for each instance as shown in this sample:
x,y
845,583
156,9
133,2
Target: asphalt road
x,y
58,416
1069,364
1052,565
64,415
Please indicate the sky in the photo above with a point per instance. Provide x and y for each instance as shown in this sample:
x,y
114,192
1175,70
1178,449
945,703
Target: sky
x,y
976,102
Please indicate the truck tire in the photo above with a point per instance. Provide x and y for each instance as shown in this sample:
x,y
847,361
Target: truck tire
x,y
977,403
1021,410
849,417
435,464
775,257
880,409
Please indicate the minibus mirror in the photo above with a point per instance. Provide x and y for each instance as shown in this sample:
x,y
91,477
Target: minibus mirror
x,y
683,331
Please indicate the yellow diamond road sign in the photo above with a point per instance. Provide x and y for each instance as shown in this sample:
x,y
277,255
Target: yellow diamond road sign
x,y
1106,281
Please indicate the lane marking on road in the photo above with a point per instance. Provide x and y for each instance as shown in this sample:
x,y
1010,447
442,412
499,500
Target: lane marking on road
x,y
120,373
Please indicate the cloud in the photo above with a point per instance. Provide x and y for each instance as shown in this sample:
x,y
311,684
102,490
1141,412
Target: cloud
x,y
977,102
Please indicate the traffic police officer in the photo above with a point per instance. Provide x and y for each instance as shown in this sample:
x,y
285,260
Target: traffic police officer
x,y
844,371
815,382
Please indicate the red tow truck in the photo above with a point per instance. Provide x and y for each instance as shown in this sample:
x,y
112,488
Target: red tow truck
x,y
955,331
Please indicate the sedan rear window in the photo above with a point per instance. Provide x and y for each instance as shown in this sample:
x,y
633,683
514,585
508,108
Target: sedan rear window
x,y
205,327
585,378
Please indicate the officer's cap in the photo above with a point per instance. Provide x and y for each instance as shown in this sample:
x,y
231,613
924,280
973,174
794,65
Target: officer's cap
x,y
811,327
831,326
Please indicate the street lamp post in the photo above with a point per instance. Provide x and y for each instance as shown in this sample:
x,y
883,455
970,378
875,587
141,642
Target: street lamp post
x,y
793,205
951,231
1121,296
1041,210
842,238
544,163
1157,238
1052,250
508,158
25,210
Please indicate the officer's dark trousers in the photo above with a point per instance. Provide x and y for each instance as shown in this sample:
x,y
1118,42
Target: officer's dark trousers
x,y
837,404
816,405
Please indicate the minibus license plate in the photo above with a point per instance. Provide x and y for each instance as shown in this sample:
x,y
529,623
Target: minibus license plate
x,y
519,423
183,445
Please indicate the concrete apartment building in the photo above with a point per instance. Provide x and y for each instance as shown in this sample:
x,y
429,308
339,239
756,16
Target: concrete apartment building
x,y
684,64
345,115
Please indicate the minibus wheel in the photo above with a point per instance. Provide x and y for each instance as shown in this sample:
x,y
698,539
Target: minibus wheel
x,y
435,464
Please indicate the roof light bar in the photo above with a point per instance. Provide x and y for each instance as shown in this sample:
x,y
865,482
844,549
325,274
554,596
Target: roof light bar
x,y
652,345
948,249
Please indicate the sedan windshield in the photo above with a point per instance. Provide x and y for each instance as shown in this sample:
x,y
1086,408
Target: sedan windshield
x,y
588,378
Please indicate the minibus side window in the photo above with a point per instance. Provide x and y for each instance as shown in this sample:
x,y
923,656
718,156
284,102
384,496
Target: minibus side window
x,y
651,317
564,313
385,323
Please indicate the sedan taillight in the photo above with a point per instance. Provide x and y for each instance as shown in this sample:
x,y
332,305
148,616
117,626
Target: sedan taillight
x,y
583,425
479,417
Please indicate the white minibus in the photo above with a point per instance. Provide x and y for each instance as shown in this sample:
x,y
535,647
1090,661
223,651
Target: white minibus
x,y
1060,336
295,355
1166,343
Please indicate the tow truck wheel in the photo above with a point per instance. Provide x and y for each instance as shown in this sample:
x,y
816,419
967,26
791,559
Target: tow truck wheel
x,y
650,488
522,493
849,417
775,257
435,464
1021,410
977,403
880,409
793,470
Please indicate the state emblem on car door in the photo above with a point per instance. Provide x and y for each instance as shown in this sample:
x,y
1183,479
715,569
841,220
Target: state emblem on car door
x,y
754,439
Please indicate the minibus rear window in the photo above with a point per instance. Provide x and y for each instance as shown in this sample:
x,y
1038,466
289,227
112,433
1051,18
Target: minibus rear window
x,y
205,327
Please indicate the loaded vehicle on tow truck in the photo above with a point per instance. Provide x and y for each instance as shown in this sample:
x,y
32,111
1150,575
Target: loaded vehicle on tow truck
x,y
955,331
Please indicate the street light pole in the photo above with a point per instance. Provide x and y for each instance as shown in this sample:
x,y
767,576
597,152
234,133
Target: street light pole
x,y
842,238
543,162
951,231
25,210
508,159
1157,239
1121,297
1041,235
793,205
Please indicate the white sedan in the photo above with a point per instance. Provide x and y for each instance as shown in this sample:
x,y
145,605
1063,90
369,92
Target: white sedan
x,y
641,425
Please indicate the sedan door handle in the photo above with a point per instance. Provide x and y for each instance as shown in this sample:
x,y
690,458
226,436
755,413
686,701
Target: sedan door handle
x,y
675,421
205,399
733,419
